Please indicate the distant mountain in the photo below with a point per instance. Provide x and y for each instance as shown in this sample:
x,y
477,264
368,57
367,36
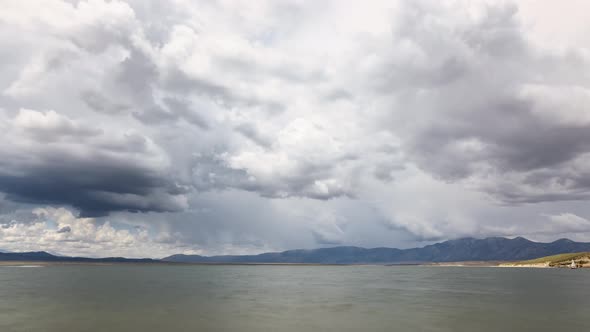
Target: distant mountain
x,y
466,249
42,256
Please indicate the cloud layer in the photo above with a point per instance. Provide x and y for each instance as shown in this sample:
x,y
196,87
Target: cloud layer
x,y
281,124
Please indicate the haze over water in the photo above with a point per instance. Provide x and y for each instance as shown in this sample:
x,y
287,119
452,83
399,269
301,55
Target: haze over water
x,y
292,298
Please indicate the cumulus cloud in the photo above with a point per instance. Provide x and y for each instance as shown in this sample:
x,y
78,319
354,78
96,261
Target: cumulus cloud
x,y
61,232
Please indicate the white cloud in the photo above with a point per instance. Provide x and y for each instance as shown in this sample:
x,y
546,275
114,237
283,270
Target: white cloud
x,y
566,223
46,124
57,230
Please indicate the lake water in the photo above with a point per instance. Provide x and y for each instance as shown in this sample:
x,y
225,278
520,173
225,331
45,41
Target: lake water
x,y
292,298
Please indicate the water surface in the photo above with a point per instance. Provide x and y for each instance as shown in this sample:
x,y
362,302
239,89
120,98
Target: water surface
x,y
292,298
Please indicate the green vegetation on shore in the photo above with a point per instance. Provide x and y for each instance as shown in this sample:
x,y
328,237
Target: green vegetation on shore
x,y
582,259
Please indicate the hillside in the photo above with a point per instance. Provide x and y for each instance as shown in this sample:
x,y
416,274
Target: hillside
x,y
582,259
466,249
42,256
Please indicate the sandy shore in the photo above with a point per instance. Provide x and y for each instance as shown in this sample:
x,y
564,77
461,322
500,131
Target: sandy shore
x,y
536,265
467,264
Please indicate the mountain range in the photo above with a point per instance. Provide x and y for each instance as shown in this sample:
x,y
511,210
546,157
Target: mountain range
x,y
465,249
42,256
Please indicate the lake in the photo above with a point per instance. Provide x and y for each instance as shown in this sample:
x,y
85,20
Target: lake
x,y
292,298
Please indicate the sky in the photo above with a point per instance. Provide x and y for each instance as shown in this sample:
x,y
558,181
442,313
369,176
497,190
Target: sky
x,y
145,128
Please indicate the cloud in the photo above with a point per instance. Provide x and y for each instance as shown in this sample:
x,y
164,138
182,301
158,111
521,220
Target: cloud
x,y
485,104
213,89
50,126
550,227
100,103
329,230
54,159
411,120
59,231
566,223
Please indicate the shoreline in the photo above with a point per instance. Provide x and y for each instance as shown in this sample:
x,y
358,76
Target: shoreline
x,y
158,263
66,263
502,264
466,264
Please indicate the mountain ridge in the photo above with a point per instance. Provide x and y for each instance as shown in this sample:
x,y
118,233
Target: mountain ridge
x,y
457,250
43,256
464,249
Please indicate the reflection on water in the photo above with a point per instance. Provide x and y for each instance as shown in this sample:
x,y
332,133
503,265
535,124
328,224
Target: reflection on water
x,y
292,298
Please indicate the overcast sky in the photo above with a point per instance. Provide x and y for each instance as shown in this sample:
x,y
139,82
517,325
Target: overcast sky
x,y
148,127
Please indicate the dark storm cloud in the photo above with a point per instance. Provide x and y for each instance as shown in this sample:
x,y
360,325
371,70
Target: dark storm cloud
x,y
507,136
60,161
95,187
477,110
